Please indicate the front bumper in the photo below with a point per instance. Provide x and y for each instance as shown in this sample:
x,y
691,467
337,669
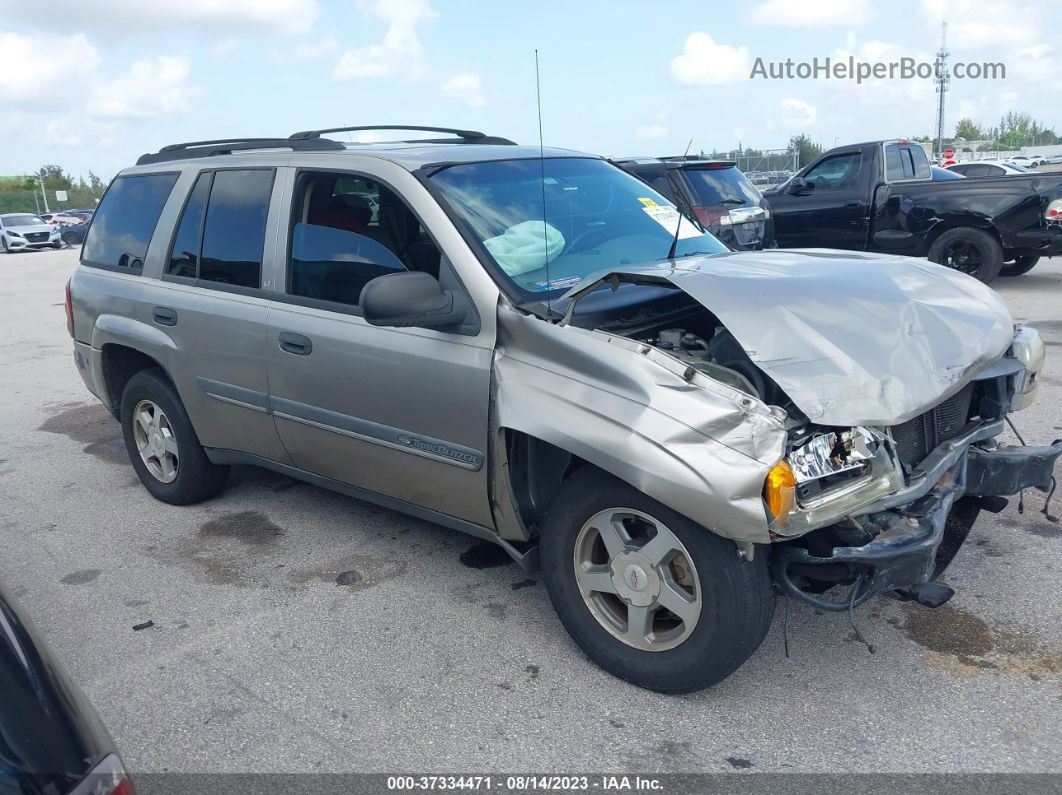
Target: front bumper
x,y
16,244
915,541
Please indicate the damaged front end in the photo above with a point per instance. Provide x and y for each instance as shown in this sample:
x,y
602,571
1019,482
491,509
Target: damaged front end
x,y
892,386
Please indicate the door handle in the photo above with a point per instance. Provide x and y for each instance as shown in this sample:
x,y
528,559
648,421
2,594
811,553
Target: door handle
x,y
164,316
295,343
853,205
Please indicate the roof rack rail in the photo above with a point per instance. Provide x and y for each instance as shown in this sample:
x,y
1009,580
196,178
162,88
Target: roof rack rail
x,y
466,136
225,146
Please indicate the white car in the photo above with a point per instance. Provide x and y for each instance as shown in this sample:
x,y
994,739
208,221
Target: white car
x,y
20,231
985,168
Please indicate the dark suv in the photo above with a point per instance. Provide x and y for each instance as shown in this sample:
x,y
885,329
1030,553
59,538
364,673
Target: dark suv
x,y
717,194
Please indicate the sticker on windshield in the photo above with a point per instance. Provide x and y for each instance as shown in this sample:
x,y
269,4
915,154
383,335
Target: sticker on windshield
x,y
668,217
567,281
648,202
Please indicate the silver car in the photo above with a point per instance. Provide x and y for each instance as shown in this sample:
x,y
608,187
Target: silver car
x,y
21,231
535,348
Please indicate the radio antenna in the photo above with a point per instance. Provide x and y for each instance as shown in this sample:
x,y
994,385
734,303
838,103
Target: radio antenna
x,y
542,182
678,204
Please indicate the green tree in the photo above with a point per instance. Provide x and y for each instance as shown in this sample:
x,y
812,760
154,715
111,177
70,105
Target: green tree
x,y
96,186
968,130
805,149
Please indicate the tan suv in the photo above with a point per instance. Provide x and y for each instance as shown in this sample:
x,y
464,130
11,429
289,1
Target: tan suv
x,y
534,347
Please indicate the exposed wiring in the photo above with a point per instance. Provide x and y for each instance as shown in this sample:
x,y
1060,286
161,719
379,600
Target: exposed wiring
x,y
851,611
1047,503
1013,428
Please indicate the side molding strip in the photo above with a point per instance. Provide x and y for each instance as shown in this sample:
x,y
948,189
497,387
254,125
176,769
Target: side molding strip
x,y
345,425
375,433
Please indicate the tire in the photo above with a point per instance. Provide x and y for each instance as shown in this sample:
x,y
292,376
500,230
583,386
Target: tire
x,y
1019,266
736,597
69,238
58,245
972,251
191,477
3,244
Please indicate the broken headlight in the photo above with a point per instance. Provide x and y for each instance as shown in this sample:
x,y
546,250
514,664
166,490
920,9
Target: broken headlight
x,y
835,455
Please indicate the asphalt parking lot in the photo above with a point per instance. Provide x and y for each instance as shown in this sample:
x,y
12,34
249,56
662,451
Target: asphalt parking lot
x,y
431,654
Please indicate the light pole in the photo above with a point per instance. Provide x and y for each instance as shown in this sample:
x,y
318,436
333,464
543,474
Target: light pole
x,y
44,193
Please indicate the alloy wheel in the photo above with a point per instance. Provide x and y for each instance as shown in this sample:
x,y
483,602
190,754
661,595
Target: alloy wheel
x,y
637,579
963,256
155,440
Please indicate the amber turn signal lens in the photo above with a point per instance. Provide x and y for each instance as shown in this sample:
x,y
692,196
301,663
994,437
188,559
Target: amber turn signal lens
x,y
780,492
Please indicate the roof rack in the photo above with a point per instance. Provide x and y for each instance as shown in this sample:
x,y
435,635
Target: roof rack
x,y
466,136
225,146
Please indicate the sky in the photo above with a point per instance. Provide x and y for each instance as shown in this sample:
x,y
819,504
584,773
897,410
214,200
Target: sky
x,y
91,85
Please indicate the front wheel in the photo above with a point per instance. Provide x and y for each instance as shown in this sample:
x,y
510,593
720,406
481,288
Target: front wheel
x,y
649,595
3,244
972,251
1019,266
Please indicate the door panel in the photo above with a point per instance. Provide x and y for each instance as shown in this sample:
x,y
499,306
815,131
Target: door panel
x,y
219,363
832,212
402,412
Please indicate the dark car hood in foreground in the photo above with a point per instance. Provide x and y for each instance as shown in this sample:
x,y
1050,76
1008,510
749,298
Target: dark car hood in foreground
x,y
852,338
49,735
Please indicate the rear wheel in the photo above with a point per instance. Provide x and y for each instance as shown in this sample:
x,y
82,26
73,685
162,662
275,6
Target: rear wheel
x,y
972,251
649,595
1018,266
162,444
69,238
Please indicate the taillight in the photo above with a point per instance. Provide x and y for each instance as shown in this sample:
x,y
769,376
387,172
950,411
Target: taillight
x,y
712,214
69,311
106,778
1053,213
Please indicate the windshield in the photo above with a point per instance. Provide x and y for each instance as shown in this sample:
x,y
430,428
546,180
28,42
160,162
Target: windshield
x,y
597,216
722,186
22,220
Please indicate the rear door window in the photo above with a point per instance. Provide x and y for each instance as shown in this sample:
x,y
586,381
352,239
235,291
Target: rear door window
x,y
234,229
184,254
125,221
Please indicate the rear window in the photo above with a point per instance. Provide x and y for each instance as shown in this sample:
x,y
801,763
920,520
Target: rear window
x,y
724,186
125,220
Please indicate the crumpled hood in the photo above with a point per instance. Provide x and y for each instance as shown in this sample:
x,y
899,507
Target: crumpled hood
x,y
852,338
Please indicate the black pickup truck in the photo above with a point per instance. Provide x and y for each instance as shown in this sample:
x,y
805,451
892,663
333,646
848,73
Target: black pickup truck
x,y
880,196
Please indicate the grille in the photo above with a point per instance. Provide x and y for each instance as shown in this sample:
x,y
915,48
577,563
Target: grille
x,y
916,438
36,237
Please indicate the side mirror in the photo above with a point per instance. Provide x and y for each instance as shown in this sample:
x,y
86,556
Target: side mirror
x,y
409,299
798,185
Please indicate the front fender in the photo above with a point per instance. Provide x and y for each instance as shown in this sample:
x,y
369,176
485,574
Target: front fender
x,y
697,451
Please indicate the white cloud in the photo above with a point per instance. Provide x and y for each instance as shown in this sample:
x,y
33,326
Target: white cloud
x,y
400,48
800,13
704,62
124,18
308,51
71,130
151,88
36,68
650,132
466,87
798,113
225,47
